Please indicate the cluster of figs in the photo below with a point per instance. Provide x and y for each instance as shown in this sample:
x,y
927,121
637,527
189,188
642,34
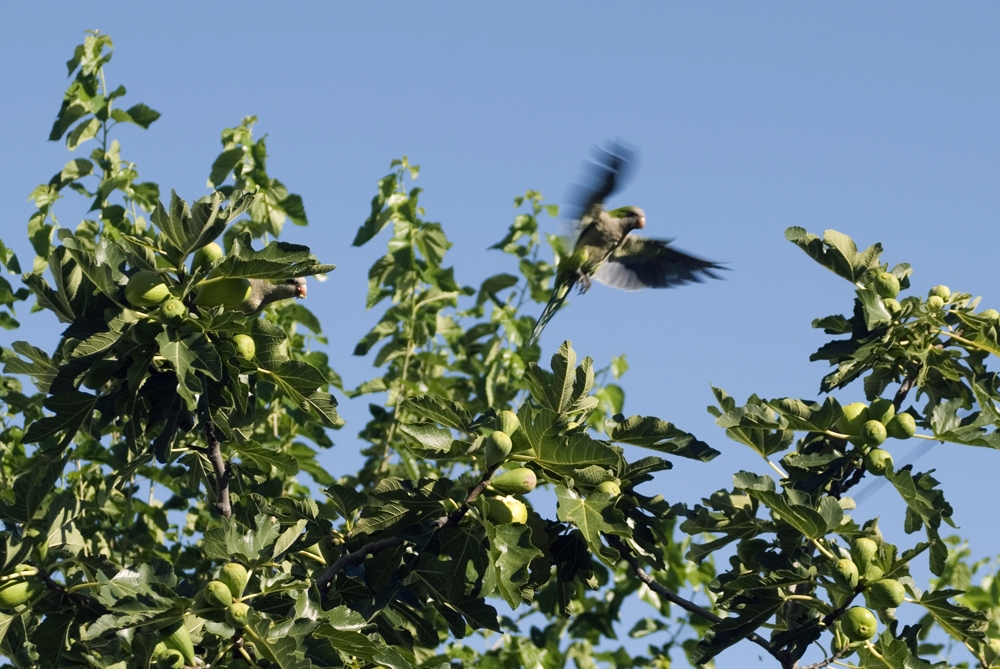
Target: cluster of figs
x,y
503,507
151,294
869,425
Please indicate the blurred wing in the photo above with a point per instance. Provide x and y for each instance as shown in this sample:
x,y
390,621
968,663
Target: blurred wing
x,y
652,263
605,174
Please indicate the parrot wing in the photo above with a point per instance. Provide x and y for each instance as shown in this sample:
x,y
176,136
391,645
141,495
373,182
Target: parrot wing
x,y
605,174
652,263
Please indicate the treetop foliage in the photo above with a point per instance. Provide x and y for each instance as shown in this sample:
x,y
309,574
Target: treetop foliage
x,y
164,502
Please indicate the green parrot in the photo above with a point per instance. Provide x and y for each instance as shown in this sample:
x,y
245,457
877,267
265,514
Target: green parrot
x,y
605,251
262,293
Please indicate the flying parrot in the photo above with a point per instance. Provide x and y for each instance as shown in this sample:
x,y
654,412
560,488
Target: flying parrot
x,y
262,293
604,249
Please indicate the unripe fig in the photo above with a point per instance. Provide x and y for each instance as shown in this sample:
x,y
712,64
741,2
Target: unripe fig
x,y
13,434
218,594
514,482
508,422
845,573
877,460
497,448
991,649
19,591
887,593
858,624
100,374
506,510
245,346
991,315
172,311
886,284
881,410
892,306
170,659
863,551
902,426
145,331
146,289
222,291
940,291
235,576
749,549
873,433
855,415
610,487
206,256
872,574
238,614
178,638
935,303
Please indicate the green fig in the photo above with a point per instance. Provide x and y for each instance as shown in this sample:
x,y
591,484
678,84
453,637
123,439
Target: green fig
x,y
902,426
881,410
859,624
872,574
515,482
172,311
235,576
886,284
509,422
749,550
935,303
146,289
246,348
873,433
864,551
506,510
886,593
877,461
845,572
145,331
991,315
940,291
223,291
991,649
238,614
610,487
15,592
178,638
892,306
218,594
170,659
855,415
206,256
100,374
497,448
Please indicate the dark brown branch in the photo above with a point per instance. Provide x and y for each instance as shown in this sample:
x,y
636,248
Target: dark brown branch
x,y
904,389
358,556
673,597
222,471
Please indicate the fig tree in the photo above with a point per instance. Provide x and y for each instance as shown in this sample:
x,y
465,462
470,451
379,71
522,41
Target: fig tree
x,y
497,448
881,410
845,573
886,593
235,576
877,460
855,415
218,595
873,433
940,291
902,426
508,422
146,289
858,623
886,284
506,510
238,614
245,346
223,292
515,482
206,256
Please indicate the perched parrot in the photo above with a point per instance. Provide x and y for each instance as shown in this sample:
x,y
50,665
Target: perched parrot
x,y
605,251
262,293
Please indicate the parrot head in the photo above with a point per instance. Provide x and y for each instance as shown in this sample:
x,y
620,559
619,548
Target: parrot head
x,y
298,285
633,218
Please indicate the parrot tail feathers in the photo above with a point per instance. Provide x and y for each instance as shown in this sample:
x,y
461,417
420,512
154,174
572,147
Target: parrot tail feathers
x,y
556,301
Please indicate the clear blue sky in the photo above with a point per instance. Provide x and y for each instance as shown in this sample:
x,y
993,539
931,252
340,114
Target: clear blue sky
x,y
876,119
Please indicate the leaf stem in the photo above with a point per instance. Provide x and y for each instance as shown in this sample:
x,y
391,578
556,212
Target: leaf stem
x,y
776,468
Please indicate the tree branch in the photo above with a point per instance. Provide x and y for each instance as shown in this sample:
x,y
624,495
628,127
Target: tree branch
x,y
673,597
222,471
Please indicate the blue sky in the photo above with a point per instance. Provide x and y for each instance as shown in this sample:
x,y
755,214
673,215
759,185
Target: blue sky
x,y
876,119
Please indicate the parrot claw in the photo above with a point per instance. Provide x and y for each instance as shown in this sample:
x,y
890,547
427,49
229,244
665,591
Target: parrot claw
x,y
583,280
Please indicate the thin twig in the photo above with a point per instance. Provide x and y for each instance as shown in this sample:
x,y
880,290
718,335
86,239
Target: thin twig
x,y
222,471
828,661
673,597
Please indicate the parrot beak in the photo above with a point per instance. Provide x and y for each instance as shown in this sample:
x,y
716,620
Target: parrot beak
x,y
300,291
641,223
